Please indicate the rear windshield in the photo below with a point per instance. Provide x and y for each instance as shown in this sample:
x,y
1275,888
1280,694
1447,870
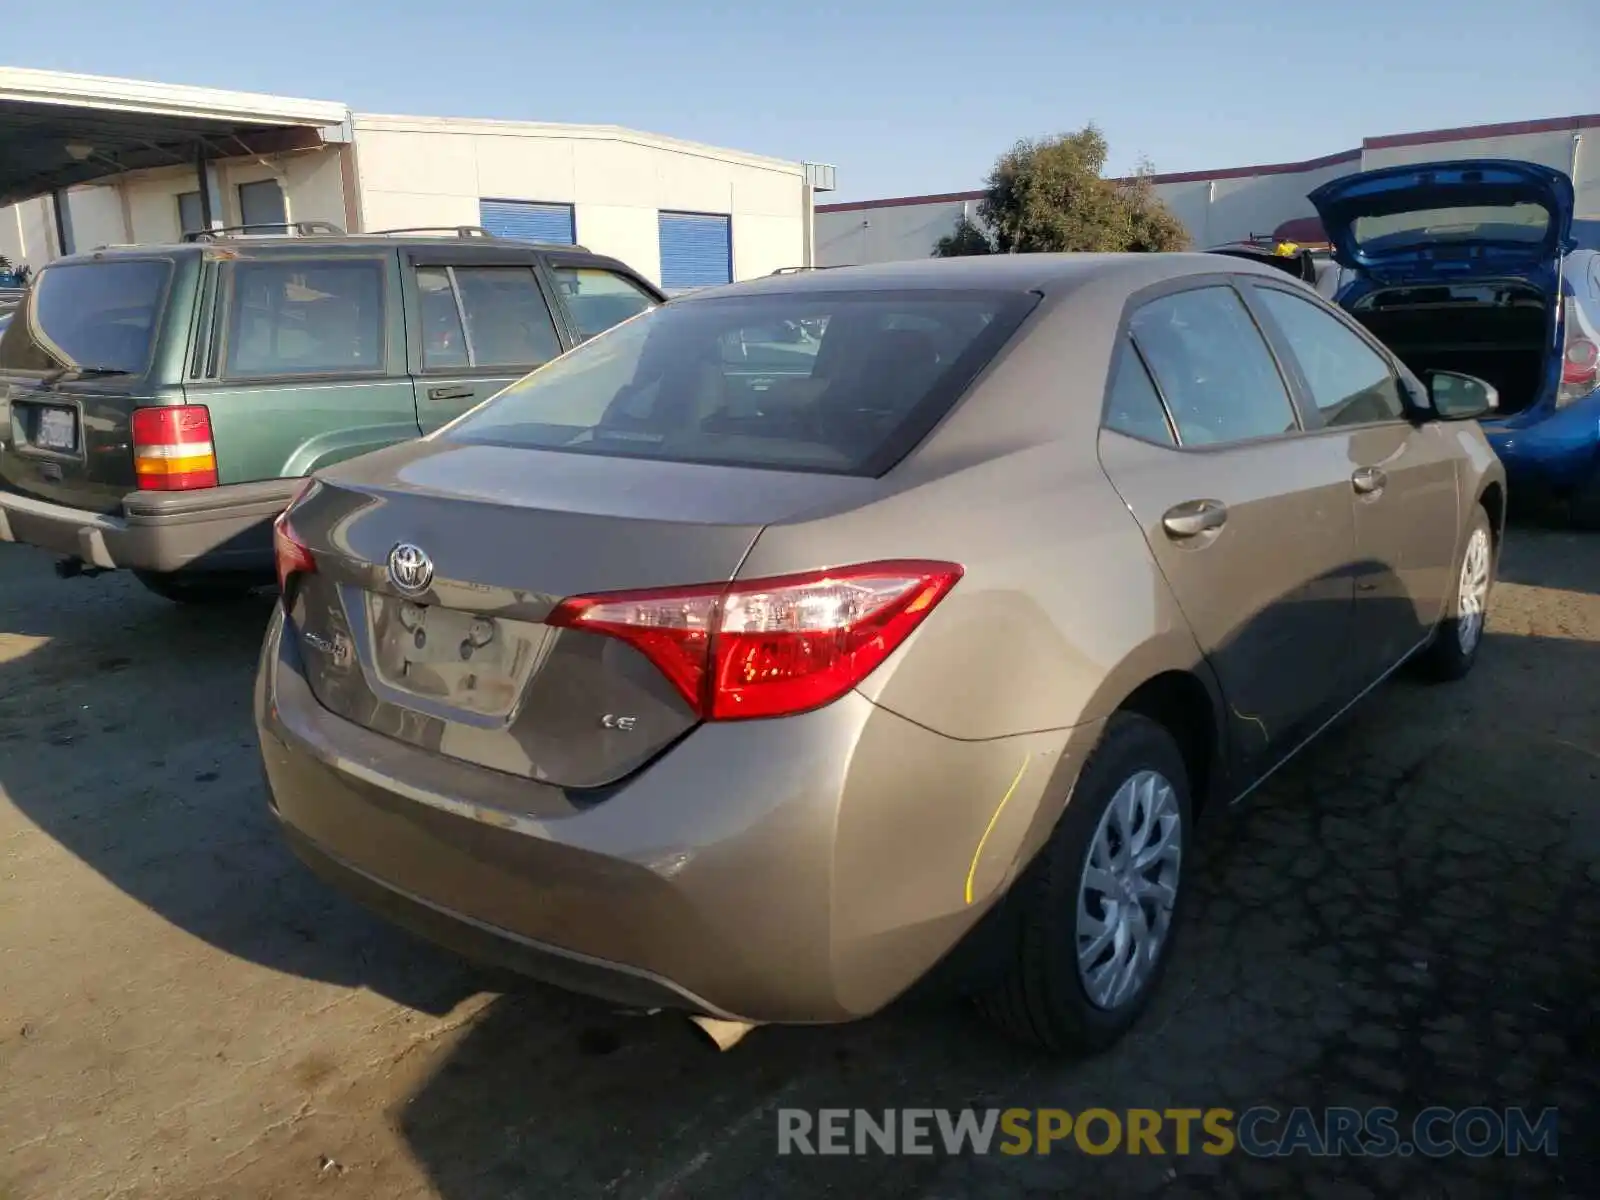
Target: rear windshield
x,y
834,382
97,317
1525,222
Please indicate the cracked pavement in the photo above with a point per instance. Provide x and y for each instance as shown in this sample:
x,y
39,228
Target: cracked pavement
x,y
1408,915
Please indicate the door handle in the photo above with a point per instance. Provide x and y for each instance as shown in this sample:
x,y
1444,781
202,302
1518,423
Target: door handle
x,y
450,393
1368,481
1194,517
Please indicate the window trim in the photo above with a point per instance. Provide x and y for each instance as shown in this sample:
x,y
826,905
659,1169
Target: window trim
x,y
1285,349
556,268
1174,442
417,362
1193,283
225,309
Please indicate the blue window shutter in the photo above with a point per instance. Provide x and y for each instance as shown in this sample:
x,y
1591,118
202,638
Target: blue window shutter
x,y
696,251
527,221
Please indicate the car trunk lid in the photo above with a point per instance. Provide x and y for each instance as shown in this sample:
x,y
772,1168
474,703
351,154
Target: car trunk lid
x,y
447,647
1430,221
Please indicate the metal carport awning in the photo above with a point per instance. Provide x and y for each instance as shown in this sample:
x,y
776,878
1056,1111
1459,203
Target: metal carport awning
x,y
58,129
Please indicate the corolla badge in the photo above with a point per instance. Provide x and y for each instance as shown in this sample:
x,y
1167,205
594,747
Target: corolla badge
x,y
410,570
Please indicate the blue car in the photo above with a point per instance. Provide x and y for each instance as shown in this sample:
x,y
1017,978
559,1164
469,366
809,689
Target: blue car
x,y
1478,266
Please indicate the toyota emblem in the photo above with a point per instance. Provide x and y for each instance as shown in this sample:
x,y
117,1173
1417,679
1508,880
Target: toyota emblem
x,y
410,570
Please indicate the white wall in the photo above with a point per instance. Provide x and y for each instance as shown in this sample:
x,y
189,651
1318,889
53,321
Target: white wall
x,y
420,171
887,234
142,206
28,233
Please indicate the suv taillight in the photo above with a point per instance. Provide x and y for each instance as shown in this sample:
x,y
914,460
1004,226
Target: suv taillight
x,y
769,647
1579,366
172,449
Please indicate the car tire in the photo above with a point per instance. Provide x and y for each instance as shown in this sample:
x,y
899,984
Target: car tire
x,y
1043,998
208,590
1459,637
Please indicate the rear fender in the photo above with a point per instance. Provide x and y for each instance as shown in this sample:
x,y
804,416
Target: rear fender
x,y
325,449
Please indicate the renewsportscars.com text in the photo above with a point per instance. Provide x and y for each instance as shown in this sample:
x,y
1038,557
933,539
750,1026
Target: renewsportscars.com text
x,y
1261,1132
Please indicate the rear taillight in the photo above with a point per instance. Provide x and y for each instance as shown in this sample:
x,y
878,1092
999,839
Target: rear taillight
x,y
769,647
1579,364
292,556
172,450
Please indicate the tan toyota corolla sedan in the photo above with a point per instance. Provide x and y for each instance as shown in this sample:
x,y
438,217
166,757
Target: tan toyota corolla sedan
x,y
790,640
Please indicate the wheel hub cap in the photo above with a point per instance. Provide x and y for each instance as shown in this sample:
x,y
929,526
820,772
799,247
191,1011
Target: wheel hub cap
x,y
1128,889
1474,592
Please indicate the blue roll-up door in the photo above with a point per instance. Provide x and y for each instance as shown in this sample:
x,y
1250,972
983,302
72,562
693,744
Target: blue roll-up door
x,y
696,251
527,221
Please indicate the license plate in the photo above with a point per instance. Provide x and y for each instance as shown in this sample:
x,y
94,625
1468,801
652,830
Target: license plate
x,y
58,429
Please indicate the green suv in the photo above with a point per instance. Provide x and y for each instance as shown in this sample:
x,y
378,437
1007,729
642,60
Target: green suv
x,y
159,404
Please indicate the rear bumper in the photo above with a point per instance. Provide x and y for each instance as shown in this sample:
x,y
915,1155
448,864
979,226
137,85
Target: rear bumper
x,y
219,529
1553,455
805,869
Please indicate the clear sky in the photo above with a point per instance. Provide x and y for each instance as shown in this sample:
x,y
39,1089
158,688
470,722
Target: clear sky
x,y
902,97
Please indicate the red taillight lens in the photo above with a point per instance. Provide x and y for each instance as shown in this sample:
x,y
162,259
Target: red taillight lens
x,y
1580,362
172,450
292,556
769,647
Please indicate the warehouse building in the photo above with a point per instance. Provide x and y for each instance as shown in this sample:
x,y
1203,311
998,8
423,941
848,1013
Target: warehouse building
x,y
91,161
1235,203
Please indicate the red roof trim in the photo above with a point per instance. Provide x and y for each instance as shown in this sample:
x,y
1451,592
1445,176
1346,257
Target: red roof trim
x,y
1288,168
1465,132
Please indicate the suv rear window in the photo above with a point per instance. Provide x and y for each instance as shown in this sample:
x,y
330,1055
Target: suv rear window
x,y
836,382
96,316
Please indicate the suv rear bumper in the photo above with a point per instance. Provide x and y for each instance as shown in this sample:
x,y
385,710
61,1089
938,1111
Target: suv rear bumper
x,y
219,529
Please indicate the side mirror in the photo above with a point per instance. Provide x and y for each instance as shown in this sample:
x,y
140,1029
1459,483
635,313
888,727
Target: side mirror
x,y
1458,397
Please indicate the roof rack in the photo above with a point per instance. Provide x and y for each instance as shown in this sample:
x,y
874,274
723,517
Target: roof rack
x,y
460,231
817,267
267,229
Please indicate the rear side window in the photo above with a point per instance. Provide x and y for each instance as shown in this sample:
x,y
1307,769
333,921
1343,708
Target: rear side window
x,y
508,322
840,382
444,341
1350,384
1135,407
294,317
597,299
1215,371
94,316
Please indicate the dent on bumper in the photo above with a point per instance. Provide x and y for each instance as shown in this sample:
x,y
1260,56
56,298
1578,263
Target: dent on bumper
x,y
806,869
226,528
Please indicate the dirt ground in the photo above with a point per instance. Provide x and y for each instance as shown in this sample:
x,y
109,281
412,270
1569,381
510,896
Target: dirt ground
x,y
1408,915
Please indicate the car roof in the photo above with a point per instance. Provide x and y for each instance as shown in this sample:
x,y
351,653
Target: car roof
x,y
1047,274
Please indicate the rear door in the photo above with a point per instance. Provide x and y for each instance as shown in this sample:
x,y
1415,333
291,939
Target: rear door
x,y
306,362
1402,475
1248,518
476,321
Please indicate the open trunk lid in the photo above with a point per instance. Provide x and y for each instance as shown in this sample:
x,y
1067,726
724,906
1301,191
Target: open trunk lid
x,y
446,648
1461,219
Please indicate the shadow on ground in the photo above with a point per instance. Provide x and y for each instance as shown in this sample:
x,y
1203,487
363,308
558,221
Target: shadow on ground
x,y
1409,915
125,735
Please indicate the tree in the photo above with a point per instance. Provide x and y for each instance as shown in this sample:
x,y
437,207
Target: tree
x,y
1049,195
966,239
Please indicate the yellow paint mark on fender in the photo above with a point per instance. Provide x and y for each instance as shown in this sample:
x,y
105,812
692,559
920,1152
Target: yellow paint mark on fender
x,y
972,871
